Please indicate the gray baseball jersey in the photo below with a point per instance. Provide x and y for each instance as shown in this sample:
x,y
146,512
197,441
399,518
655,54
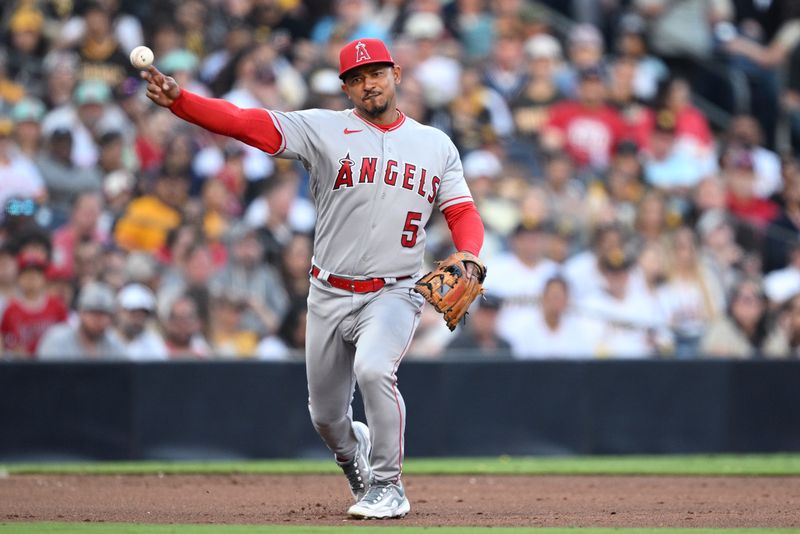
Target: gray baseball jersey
x,y
374,191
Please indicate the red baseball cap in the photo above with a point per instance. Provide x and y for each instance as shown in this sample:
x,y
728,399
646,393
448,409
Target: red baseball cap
x,y
363,52
31,260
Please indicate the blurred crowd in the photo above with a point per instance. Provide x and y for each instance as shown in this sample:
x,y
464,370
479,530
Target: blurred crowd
x,y
621,222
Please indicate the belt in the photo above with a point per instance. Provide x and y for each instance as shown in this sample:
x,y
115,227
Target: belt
x,y
356,286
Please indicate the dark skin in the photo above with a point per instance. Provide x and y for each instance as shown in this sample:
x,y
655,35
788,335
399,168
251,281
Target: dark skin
x,y
373,91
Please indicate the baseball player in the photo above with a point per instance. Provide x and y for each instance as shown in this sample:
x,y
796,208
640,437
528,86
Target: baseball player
x,y
375,177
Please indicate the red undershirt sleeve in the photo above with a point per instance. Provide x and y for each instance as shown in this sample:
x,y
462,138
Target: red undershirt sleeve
x,y
465,226
253,126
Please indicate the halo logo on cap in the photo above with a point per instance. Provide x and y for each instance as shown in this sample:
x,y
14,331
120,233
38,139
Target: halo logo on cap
x,y
361,52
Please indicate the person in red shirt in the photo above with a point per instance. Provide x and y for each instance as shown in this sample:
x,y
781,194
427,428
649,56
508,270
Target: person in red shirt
x,y
32,311
587,128
738,171
82,226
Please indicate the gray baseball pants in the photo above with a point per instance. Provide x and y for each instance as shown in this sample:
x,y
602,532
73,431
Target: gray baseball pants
x,y
360,338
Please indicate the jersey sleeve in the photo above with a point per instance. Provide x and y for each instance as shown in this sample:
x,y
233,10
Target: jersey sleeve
x,y
299,130
453,188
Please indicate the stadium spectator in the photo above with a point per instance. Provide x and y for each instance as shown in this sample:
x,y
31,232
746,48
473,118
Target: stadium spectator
x,y
721,254
782,284
64,180
746,134
29,314
137,306
8,276
148,219
631,43
744,331
191,279
93,337
621,96
295,265
82,226
791,328
553,330
28,45
653,217
246,274
691,297
351,19
565,194
61,71
483,172
521,273
478,338
786,225
90,113
531,107
19,176
585,48
738,171
506,72
228,338
582,270
478,114
627,321
27,115
587,128
759,48
290,340
671,166
183,331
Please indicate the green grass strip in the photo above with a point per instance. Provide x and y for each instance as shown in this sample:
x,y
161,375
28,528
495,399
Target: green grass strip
x,y
116,528
723,464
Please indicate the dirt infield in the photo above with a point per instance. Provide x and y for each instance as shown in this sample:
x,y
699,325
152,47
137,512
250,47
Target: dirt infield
x,y
553,501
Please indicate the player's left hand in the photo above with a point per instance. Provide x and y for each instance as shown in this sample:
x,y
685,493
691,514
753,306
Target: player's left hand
x,y
453,285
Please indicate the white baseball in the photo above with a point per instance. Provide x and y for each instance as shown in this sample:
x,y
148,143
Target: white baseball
x,y
142,57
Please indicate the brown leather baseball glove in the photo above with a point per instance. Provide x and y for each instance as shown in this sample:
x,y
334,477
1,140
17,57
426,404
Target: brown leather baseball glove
x,y
449,289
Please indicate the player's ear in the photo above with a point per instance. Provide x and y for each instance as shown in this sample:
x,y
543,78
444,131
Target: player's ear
x,y
398,73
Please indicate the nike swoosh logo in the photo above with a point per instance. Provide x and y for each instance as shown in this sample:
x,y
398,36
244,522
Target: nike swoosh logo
x,y
348,132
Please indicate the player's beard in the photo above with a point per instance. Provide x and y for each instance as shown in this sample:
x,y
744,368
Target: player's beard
x,y
376,111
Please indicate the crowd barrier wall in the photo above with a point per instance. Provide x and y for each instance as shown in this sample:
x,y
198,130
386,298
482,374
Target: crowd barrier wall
x,y
204,410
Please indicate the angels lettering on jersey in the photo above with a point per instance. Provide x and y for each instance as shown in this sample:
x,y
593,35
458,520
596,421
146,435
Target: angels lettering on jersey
x,y
414,178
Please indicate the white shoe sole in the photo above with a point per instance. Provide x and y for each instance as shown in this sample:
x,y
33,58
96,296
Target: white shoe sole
x,y
361,512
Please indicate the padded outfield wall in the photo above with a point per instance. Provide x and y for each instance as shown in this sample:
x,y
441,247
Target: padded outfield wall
x,y
258,409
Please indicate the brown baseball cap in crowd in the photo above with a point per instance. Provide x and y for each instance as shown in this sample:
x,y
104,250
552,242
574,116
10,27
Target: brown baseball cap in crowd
x,y
363,52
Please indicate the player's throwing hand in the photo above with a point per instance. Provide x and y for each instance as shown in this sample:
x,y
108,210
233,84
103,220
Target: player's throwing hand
x,y
161,89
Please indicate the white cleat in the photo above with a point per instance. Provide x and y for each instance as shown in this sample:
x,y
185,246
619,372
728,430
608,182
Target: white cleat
x,y
384,500
358,471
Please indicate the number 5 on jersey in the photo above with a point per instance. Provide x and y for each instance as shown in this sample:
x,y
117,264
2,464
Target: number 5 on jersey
x,y
409,236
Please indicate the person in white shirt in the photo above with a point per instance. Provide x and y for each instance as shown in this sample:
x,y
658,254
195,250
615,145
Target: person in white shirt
x,y
628,319
582,270
692,296
783,284
137,305
553,330
519,275
19,177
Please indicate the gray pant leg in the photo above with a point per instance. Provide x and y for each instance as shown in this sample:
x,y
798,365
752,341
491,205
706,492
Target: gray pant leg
x,y
329,369
383,331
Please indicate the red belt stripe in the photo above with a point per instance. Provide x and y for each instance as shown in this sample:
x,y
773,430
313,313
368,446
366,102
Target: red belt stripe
x,y
356,286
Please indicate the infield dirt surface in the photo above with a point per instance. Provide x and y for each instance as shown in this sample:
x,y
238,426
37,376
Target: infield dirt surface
x,y
536,501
